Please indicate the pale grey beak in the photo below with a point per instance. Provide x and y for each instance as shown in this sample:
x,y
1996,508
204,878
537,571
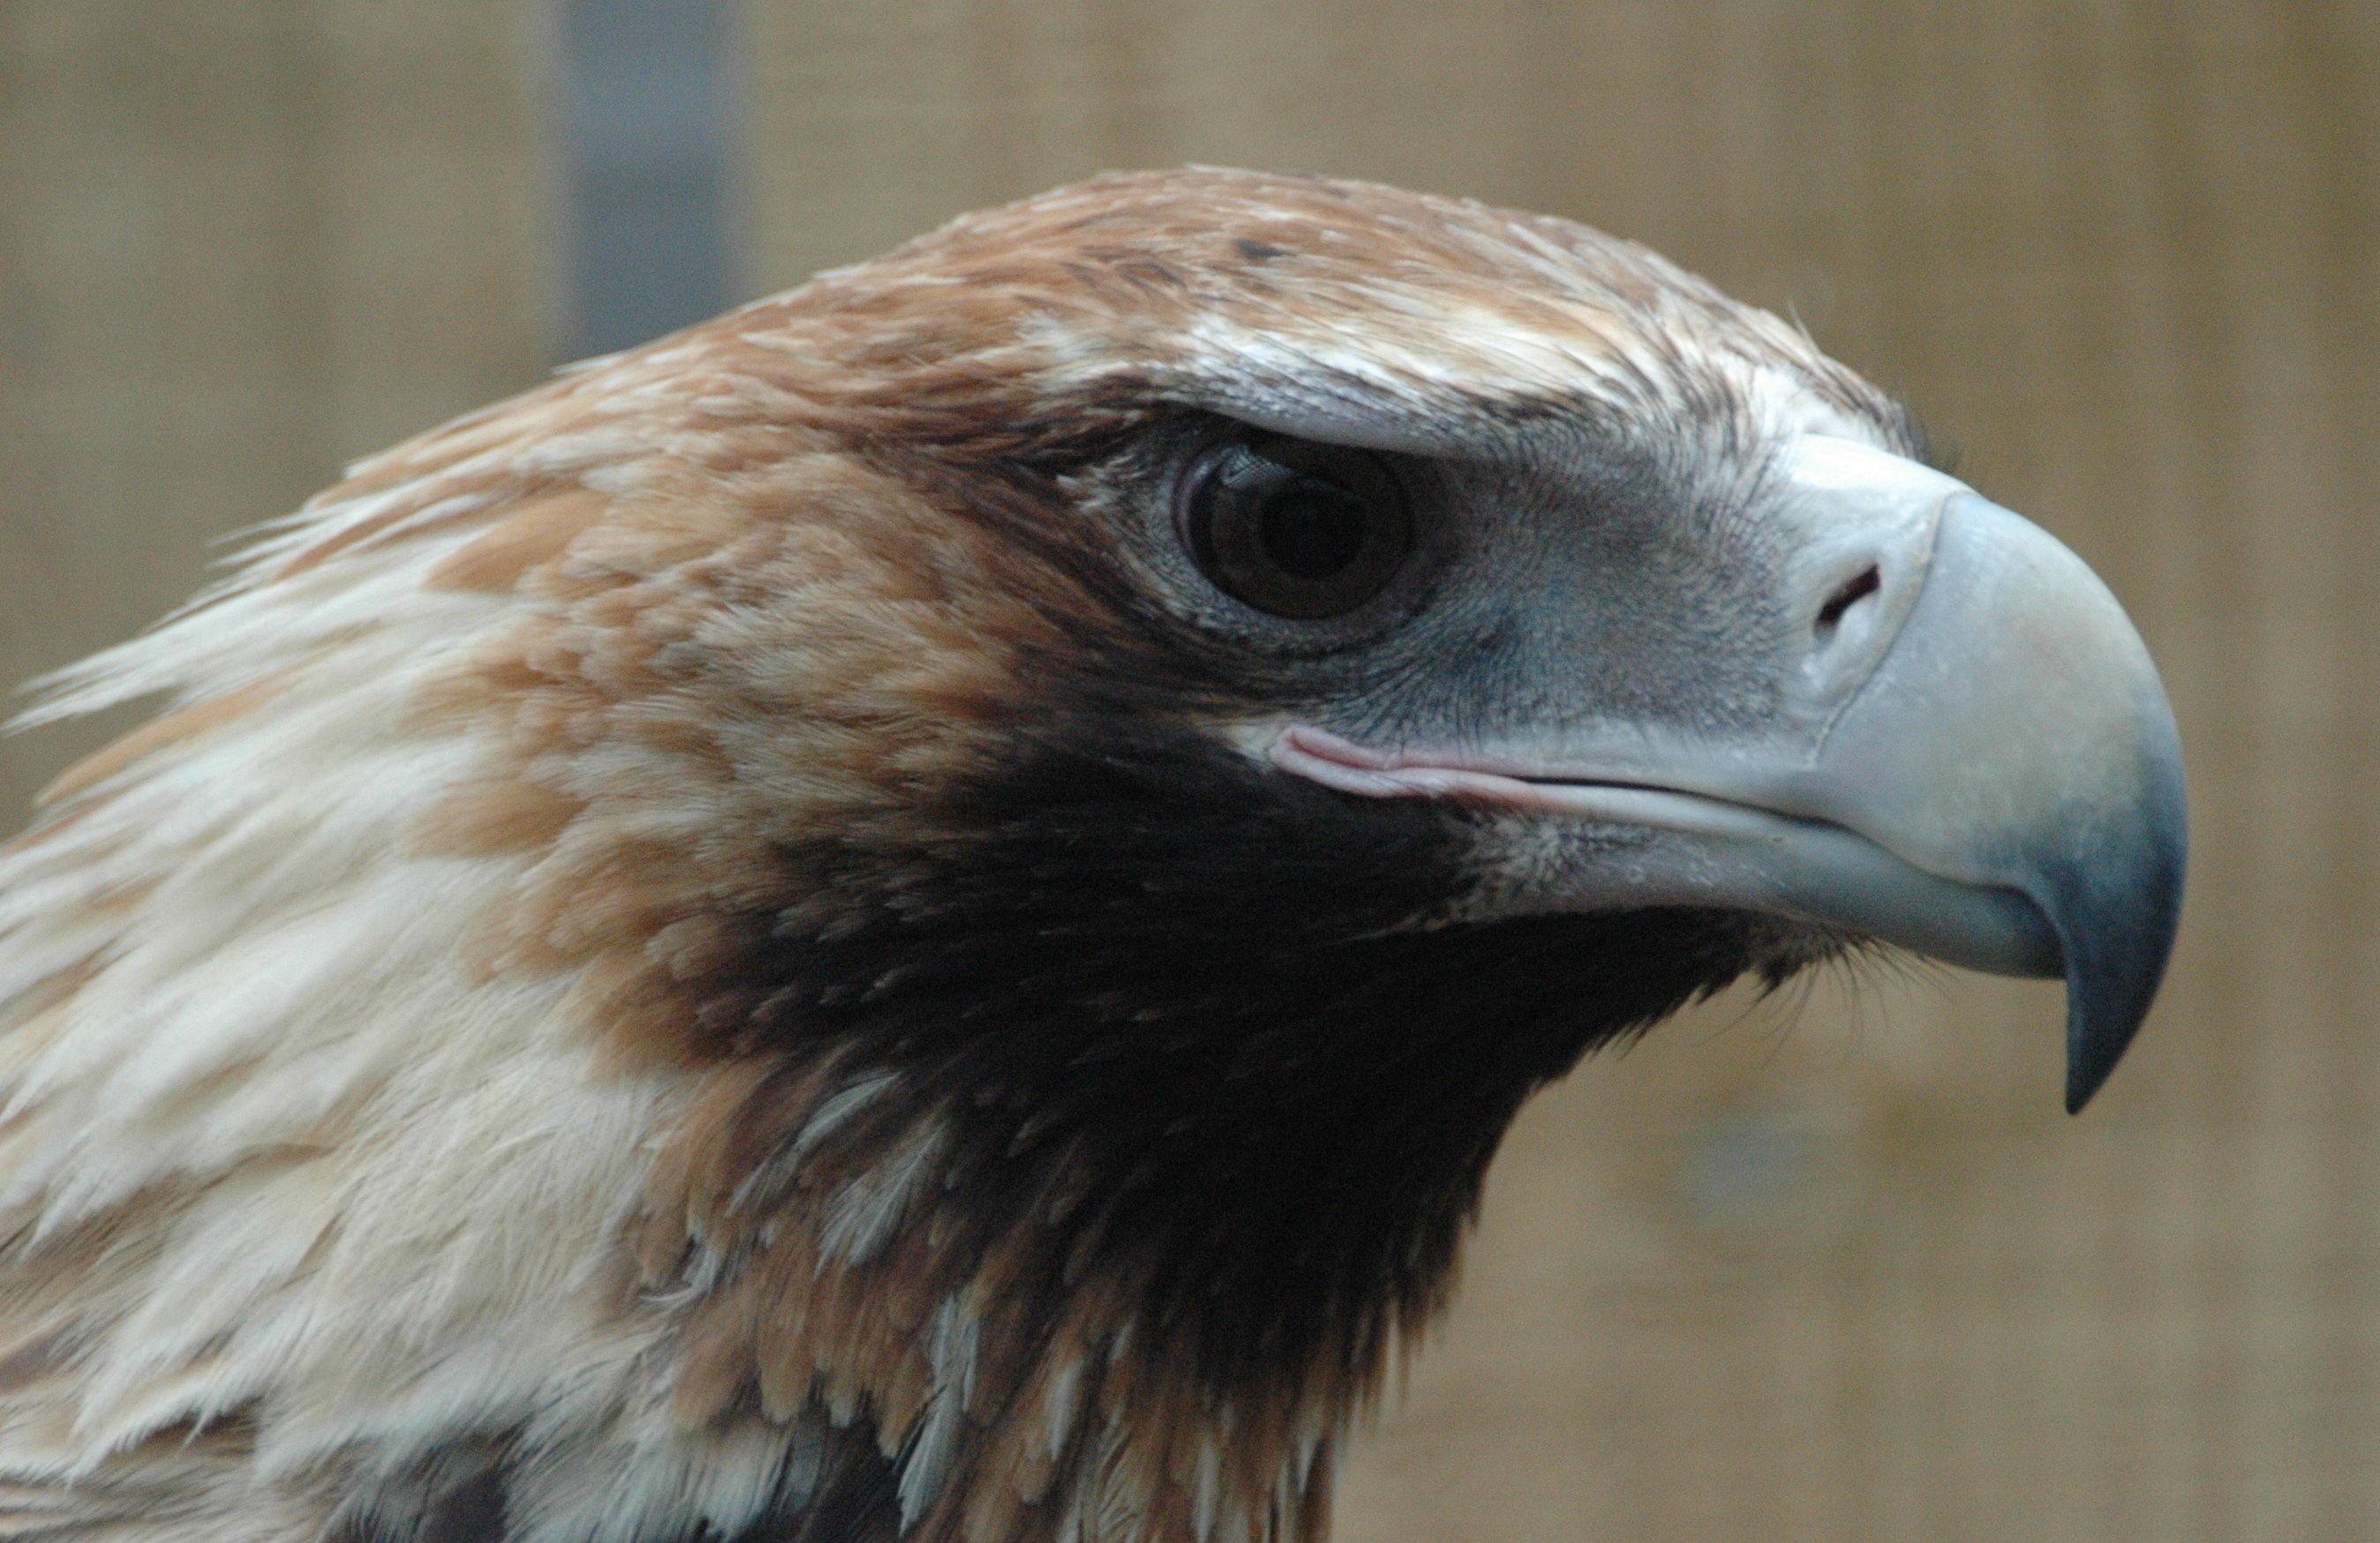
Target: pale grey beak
x,y
2015,736
1972,756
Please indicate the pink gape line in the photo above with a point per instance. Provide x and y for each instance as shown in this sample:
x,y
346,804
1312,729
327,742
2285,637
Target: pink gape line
x,y
1322,757
1539,788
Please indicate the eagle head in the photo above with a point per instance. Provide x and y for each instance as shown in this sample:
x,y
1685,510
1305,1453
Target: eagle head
x,y
914,912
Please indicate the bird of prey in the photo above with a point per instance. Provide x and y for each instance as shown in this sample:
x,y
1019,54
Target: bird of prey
x,y
913,913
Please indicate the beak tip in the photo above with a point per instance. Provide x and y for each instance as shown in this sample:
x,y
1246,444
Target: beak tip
x,y
2104,1010
2115,967
2099,1030
2091,1057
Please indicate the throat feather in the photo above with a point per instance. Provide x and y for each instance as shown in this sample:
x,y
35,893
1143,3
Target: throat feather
x,y
1116,1133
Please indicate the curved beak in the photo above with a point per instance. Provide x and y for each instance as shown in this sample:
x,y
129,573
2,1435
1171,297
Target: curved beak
x,y
2015,736
1975,759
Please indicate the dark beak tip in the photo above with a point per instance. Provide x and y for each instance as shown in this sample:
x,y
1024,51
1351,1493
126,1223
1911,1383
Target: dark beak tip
x,y
2104,1010
2117,914
2091,1056
2112,977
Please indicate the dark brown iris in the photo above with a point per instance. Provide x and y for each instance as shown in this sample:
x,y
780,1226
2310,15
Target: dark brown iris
x,y
1296,529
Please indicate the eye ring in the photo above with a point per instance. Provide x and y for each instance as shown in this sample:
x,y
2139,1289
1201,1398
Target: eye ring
x,y
1295,529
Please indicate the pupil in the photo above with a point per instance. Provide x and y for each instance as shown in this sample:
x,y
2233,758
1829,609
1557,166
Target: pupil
x,y
1313,530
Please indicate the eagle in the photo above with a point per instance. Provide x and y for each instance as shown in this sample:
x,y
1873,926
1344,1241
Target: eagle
x,y
914,912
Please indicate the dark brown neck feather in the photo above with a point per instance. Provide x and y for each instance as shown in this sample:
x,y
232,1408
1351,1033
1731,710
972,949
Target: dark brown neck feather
x,y
1201,1112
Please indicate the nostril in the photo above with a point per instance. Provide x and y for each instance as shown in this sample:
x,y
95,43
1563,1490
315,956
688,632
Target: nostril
x,y
1866,582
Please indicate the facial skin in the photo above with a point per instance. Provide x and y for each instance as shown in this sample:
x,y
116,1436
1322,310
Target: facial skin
x,y
1791,671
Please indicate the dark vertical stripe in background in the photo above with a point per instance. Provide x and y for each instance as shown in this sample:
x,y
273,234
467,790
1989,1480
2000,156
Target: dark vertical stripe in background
x,y
649,119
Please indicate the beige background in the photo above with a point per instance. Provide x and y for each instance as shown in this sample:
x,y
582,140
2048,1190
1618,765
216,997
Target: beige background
x,y
241,241
1830,1269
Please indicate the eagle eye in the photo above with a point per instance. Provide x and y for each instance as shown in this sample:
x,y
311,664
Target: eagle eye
x,y
1295,529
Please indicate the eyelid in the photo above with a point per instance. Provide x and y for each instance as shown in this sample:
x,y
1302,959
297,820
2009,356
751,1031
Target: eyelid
x,y
1240,466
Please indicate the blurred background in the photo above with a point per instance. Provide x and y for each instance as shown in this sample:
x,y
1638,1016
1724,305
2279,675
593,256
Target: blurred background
x,y
1833,1267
